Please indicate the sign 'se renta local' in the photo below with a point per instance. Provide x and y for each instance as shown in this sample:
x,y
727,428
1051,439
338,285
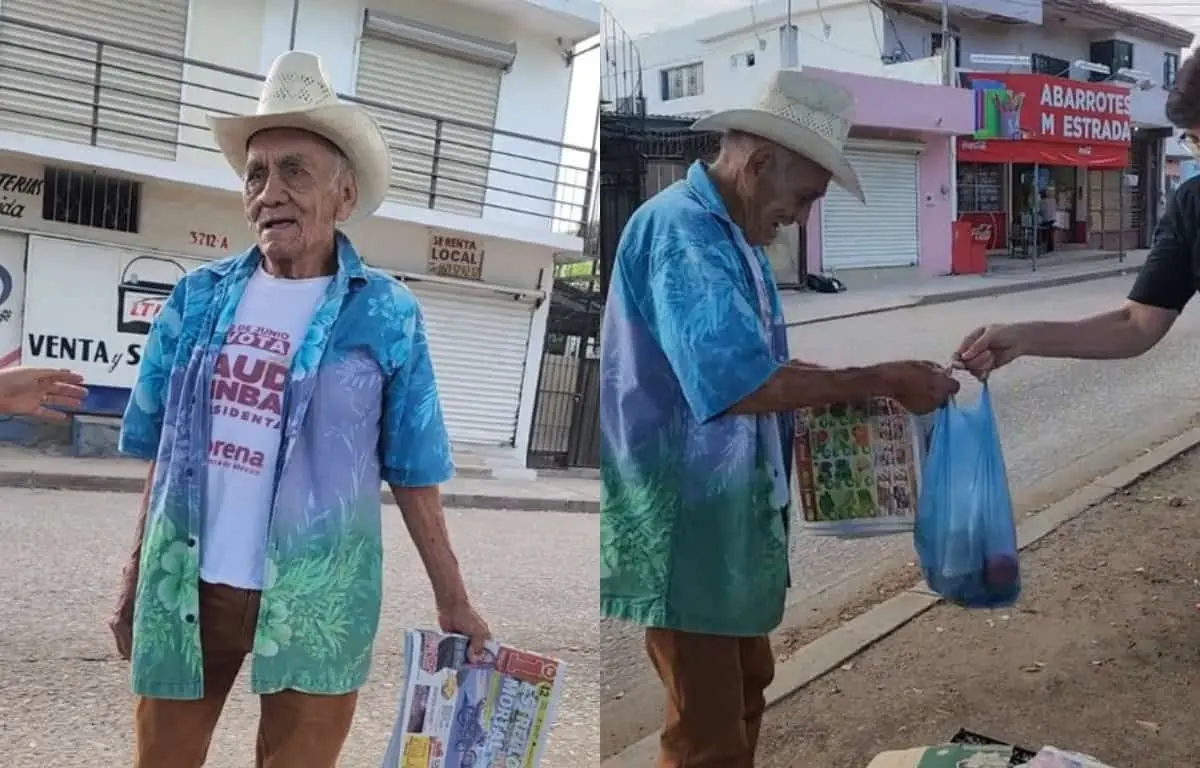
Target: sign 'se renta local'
x,y
454,255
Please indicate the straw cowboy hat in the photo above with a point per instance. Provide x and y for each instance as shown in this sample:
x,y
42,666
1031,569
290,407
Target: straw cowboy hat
x,y
297,94
808,115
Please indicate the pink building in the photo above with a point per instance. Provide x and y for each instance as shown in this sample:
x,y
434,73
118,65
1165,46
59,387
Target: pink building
x,y
901,147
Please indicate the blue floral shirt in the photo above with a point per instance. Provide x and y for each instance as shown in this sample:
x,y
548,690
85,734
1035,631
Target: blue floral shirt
x,y
361,407
693,501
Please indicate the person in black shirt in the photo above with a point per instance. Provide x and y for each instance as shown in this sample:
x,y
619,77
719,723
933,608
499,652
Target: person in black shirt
x,y
1166,282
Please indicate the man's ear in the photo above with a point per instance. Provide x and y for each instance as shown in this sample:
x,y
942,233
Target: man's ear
x,y
348,197
759,159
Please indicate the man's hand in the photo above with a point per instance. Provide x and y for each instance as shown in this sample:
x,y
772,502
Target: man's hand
x,y
38,391
462,619
919,386
986,349
121,623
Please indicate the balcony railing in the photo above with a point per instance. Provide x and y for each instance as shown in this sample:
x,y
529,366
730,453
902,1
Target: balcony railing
x,y
69,86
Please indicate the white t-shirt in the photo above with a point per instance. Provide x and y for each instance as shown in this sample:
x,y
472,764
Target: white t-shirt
x,y
247,425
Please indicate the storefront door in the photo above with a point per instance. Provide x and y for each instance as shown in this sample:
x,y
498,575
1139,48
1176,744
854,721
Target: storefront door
x,y
884,232
478,342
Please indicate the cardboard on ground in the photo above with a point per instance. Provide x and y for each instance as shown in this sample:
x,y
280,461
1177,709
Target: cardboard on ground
x,y
979,756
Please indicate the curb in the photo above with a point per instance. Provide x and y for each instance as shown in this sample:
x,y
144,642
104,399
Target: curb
x,y
1053,282
831,650
976,293
65,481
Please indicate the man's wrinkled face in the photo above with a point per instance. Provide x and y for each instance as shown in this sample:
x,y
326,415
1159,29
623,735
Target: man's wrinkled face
x,y
778,188
297,188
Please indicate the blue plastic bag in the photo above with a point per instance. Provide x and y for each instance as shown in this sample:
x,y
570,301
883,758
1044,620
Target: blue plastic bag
x,y
965,536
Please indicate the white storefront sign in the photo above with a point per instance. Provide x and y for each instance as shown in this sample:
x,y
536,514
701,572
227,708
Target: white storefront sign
x,y
454,255
12,296
90,306
20,195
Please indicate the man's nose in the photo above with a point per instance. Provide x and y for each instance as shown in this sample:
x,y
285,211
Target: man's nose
x,y
274,191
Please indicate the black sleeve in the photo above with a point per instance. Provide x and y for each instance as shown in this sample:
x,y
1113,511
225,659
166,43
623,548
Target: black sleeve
x,y
1167,280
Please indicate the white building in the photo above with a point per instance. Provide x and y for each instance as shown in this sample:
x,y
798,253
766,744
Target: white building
x,y
1116,204
110,186
901,143
711,62
717,61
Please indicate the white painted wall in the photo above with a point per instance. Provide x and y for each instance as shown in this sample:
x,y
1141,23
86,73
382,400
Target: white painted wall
x,y
855,36
247,35
842,35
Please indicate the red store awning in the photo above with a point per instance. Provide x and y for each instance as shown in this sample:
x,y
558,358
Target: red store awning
x,y
1043,153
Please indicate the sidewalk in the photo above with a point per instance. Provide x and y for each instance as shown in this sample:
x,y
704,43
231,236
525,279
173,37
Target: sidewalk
x,y
24,468
1101,655
806,308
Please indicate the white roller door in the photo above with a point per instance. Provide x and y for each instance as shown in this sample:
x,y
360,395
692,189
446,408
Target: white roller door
x,y
48,79
882,233
478,342
439,74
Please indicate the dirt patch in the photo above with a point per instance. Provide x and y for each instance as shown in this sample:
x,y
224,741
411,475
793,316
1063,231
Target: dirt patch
x,y
1101,655
890,584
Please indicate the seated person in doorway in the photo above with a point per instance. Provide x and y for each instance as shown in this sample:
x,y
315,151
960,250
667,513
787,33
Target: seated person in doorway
x,y
1048,212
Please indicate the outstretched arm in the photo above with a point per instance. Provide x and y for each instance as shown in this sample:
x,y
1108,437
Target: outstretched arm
x,y
1163,287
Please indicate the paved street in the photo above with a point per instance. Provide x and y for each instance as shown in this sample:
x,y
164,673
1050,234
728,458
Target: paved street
x,y
1062,422
66,701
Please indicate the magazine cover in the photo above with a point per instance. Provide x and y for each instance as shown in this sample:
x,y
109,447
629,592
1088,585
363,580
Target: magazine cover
x,y
858,468
455,713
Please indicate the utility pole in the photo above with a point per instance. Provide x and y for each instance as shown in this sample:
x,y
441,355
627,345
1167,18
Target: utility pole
x,y
295,18
950,79
789,42
947,43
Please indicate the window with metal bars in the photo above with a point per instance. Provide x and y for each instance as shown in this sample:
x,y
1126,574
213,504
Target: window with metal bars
x,y
1041,64
90,199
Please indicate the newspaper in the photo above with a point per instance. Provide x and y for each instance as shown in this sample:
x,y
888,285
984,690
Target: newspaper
x,y
1052,757
980,756
947,756
455,713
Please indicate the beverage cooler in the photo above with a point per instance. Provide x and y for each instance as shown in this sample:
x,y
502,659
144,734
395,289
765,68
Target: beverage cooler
x,y
981,200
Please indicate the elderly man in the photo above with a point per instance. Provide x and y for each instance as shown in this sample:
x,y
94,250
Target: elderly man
x,y
279,388
40,392
697,396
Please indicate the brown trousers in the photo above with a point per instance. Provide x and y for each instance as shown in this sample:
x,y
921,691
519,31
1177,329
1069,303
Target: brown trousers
x,y
295,730
715,688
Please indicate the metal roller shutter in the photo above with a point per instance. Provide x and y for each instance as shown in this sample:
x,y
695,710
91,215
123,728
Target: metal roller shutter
x,y
47,80
478,343
882,233
412,78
